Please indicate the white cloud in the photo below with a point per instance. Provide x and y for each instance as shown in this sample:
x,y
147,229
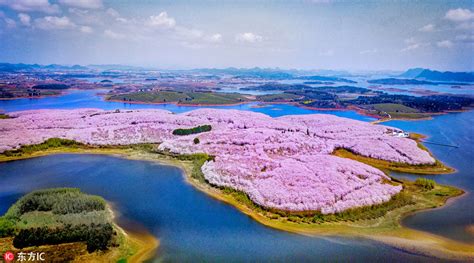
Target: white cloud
x,y
427,28
412,44
111,34
86,29
459,15
87,4
161,21
444,44
411,47
25,19
248,37
31,6
369,51
54,22
215,38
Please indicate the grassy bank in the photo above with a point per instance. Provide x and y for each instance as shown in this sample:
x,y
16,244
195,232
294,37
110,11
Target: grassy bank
x,y
437,168
380,222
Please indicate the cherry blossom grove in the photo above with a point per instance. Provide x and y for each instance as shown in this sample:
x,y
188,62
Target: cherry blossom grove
x,y
283,163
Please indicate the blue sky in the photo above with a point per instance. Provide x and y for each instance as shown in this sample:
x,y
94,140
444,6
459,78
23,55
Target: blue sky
x,y
318,34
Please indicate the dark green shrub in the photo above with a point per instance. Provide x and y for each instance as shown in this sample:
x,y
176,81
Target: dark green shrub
x,y
60,201
198,129
97,237
7,227
196,140
426,184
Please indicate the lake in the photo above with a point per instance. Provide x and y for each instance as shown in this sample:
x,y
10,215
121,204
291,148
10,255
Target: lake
x,y
190,225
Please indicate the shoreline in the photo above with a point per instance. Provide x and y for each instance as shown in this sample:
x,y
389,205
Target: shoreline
x,y
387,229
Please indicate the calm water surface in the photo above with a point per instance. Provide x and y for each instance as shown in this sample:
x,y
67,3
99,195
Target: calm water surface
x,y
455,129
190,225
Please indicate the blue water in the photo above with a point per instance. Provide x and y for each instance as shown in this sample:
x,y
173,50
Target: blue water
x,y
89,99
455,129
191,226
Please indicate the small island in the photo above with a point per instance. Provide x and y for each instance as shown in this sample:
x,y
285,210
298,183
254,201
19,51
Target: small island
x,y
288,172
67,225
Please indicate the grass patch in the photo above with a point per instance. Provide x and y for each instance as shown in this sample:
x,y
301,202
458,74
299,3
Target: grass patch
x,y
436,168
426,184
210,98
194,130
4,116
49,143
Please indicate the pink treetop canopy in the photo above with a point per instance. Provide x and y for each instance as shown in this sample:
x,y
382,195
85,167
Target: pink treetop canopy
x,y
283,163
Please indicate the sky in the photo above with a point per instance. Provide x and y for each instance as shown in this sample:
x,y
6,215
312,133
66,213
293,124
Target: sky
x,y
306,34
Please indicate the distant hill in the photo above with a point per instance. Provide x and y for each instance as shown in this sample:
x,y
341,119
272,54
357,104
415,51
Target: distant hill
x,y
11,67
427,74
394,81
256,72
327,78
412,73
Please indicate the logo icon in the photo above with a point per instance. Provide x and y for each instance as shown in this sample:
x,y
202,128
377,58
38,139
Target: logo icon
x,y
8,256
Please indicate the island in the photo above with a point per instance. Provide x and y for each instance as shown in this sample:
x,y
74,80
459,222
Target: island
x,y
309,174
181,97
67,225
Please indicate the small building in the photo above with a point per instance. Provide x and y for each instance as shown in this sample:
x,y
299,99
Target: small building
x,y
401,134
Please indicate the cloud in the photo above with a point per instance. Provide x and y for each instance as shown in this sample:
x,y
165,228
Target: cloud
x,y
10,23
444,44
369,51
411,47
31,6
459,15
187,33
25,19
215,38
427,28
111,34
413,44
54,22
86,29
248,37
161,21
87,4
